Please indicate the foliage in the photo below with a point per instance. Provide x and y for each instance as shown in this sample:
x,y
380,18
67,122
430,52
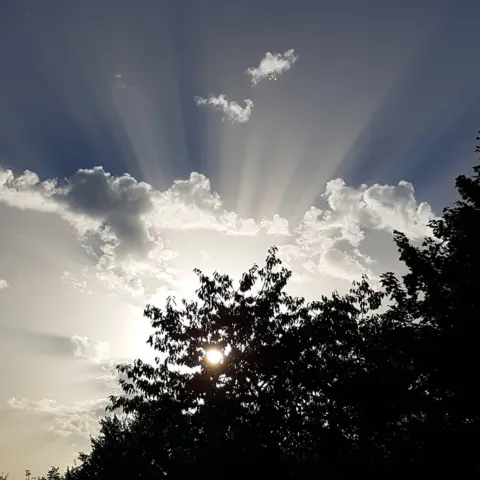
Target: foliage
x,y
375,382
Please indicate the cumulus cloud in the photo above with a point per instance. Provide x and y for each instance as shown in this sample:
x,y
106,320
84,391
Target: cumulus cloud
x,y
3,284
116,203
272,65
109,376
383,207
143,240
76,419
192,205
96,351
231,109
330,241
124,224
25,191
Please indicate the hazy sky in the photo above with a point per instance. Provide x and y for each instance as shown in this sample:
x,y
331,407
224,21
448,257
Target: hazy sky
x,y
141,139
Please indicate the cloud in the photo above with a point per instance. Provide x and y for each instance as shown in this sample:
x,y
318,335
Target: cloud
x,y
110,376
272,65
25,191
335,241
79,418
95,351
116,203
106,212
3,284
124,225
75,282
232,110
142,241
380,207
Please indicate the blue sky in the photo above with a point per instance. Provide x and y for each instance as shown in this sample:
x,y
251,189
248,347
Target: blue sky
x,y
363,133
412,63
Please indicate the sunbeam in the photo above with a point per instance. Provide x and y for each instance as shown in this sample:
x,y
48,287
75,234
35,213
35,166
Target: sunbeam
x,y
142,140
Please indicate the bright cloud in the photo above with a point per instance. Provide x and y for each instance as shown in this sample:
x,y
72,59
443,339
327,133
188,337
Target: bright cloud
x,y
96,351
138,240
232,110
272,65
330,241
3,284
78,418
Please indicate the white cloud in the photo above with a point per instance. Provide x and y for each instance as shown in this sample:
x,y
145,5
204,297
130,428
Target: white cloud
x,y
26,191
232,110
143,240
382,207
332,241
78,418
110,376
75,282
3,284
96,351
272,65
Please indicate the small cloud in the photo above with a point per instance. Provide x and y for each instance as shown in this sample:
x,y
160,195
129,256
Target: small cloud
x,y
119,83
96,351
3,284
272,65
234,112
75,282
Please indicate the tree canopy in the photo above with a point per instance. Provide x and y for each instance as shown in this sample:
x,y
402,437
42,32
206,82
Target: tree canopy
x,y
378,382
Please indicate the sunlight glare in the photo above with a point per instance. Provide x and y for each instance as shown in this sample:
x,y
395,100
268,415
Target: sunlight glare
x,y
214,356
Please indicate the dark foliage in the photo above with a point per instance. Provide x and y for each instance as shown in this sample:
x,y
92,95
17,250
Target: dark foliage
x,y
379,383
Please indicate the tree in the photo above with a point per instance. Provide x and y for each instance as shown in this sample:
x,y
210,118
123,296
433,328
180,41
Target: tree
x,y
375,382
269,406
53,474
441,289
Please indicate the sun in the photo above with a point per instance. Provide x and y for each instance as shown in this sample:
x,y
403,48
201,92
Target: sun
x,y
214,356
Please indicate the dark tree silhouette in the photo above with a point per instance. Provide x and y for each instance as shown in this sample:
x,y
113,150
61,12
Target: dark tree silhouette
x,y
375,382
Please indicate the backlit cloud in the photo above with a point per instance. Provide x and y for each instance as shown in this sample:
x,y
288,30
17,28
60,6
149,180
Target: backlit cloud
x,y
272,65
76,419
232,111
96,351
138,237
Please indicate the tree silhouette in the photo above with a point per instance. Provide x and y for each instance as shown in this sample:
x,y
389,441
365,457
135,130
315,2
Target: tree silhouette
x,y
376,382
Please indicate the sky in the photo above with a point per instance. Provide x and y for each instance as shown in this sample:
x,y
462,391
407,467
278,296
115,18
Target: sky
x,y
142,139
